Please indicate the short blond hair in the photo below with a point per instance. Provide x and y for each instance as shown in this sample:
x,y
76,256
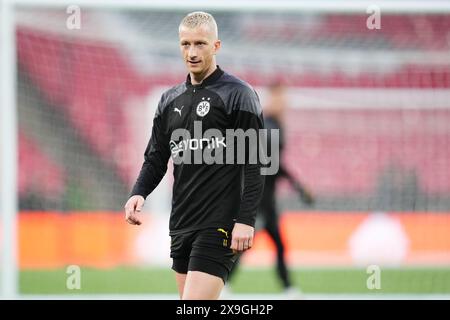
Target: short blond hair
x,y
199,18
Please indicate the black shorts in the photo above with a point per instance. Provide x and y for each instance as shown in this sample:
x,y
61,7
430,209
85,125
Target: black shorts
x,y
206,250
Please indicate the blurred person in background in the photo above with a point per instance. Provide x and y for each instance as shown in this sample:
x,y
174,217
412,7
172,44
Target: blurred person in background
x,y
274,119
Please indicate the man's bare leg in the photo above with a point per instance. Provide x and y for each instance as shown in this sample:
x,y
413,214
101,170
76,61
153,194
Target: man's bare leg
x,y
181,279
202,286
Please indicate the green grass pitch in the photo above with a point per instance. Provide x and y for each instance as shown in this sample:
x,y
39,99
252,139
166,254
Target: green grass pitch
x,y
128,280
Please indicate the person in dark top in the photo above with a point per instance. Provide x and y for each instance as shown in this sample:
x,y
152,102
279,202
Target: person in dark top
x,y
213,204
273,119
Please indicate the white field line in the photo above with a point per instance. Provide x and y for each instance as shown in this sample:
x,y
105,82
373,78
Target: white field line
x,y
251,296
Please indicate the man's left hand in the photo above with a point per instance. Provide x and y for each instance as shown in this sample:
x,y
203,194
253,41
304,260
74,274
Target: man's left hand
x,y
242,237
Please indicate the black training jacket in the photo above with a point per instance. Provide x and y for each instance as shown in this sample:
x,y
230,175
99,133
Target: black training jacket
x,y
204,195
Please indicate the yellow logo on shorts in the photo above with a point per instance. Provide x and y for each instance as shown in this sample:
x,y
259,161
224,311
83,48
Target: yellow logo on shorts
x,y
225,241
223,231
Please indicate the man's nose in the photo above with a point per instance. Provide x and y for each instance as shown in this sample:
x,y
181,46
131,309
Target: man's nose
x,y
192,52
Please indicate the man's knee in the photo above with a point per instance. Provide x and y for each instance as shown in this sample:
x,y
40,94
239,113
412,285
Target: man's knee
x,y
181,280
202,286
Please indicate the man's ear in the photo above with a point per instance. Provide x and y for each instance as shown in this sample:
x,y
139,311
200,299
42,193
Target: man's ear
x,y
217,46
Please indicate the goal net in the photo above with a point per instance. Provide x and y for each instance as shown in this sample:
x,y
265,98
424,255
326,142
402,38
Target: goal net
x,y
366,131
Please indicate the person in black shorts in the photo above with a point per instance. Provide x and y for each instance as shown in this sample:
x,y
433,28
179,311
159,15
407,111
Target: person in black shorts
x,y
213,204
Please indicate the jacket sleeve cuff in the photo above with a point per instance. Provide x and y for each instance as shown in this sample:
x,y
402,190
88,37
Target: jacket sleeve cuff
x,y
250,221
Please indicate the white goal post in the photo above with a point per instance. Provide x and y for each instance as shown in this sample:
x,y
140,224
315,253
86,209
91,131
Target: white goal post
x,y
8,154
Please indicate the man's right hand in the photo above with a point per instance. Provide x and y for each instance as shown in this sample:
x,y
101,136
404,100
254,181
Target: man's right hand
x,y
132,208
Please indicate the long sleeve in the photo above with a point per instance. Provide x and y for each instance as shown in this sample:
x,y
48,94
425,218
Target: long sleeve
x,y
156,157
249,116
